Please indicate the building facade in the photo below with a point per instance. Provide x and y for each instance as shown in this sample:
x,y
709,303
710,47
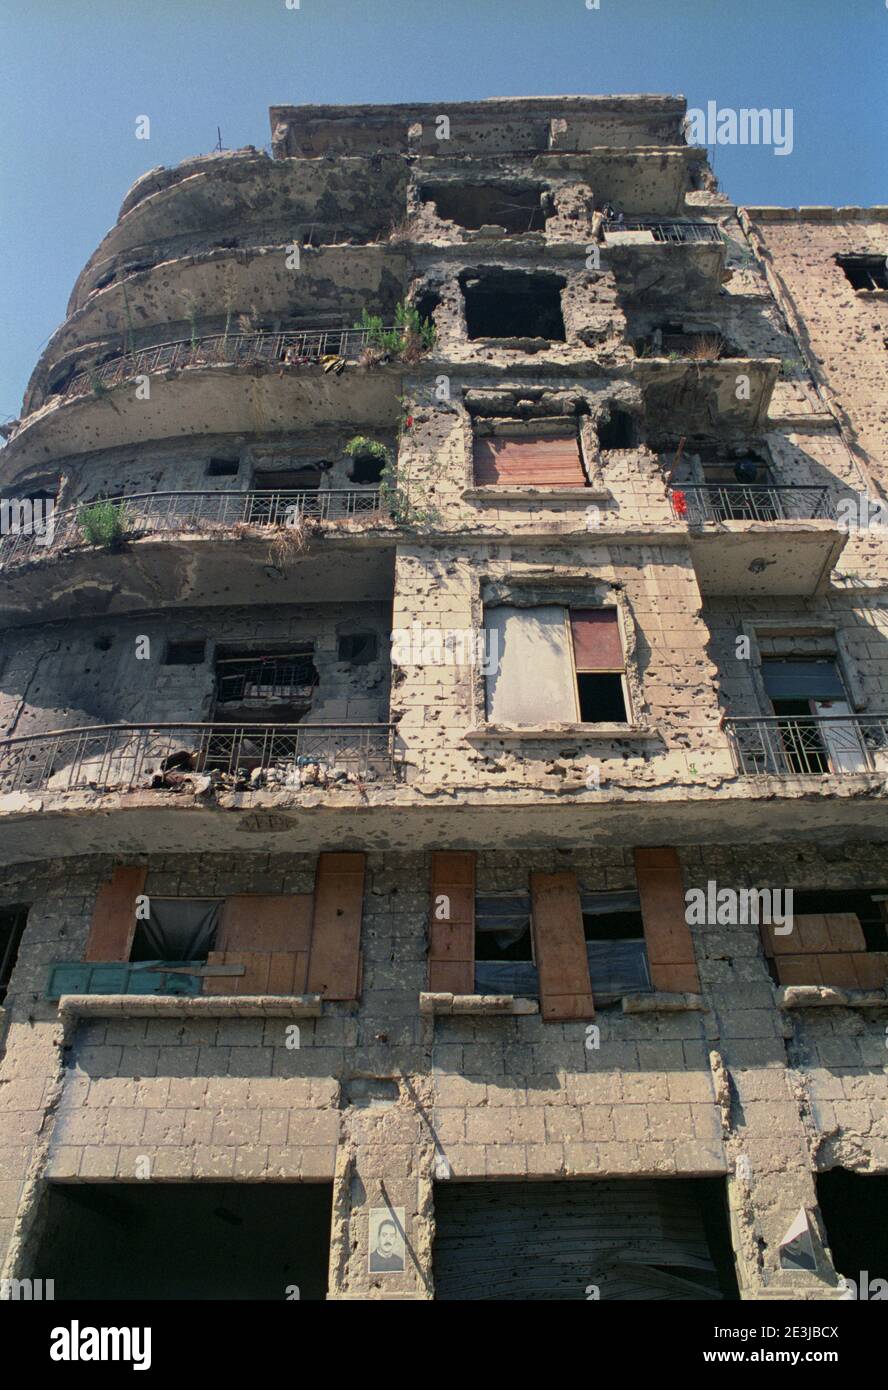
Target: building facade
x,y
444,691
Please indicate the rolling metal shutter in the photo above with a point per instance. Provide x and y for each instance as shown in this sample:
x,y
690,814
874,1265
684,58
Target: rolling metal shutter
x,y
632,1238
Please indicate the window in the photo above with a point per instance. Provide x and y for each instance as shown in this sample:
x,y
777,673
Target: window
x,y
504,959
223,468
740,490
837,938
12,926
576,658
865,272
306,479
266,685
615,947
189,653
616,429
358,648
367,466
520,457
178,929
513,304
810,700
515,208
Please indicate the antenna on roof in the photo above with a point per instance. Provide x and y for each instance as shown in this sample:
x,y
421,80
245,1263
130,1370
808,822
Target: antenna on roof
x,y
218,144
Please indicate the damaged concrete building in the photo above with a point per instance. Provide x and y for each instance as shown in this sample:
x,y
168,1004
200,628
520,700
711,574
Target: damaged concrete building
x,y
444,621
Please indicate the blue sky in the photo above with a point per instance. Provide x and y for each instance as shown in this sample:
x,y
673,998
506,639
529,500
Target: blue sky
x,y
77,73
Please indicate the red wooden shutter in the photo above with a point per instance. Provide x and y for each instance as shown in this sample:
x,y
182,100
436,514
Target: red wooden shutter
x,y
532,460
269,935
114,915
596,639
562,963
452,936
334,965
667,935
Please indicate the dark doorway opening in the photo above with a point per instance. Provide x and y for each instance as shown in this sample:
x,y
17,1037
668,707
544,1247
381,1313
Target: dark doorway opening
x,y
854,1207
513,304
186,1240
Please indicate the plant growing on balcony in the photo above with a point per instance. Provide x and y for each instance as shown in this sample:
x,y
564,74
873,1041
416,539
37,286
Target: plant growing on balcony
x,y
103,523
708,347
410,338
361,449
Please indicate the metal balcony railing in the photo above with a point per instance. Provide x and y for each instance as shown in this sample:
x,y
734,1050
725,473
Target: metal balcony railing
x,y
697,503
807,745
683,233
126,757
301,346
148,513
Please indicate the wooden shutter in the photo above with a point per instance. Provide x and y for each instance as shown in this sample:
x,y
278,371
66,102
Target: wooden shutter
x,y
452,937
114,915
596,639
825,949
532,681
532,460
334,966
270,936
670,946
562,964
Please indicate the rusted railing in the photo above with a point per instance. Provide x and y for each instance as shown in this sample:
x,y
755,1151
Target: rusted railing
x,y
696,502
681,232
125,757
807,745
304,345
150,513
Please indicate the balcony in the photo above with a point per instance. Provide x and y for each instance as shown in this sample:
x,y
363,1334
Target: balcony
x,y
198,757
201,548
302,348
676,233
783,539
297,379
665,262
809,745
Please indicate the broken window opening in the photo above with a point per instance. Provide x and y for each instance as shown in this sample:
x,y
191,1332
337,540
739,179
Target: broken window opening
x,y
223,467
265,686
871,910
515,208
504,954
854,1207
616,429
426,302
865,272
187,653
513,304
12,927
613,930
367,467
178,929
358,648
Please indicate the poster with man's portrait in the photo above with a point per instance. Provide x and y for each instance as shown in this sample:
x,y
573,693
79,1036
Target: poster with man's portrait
x,y
386,1246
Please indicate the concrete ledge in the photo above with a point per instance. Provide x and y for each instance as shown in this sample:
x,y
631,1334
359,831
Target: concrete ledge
x,y
661,1002
190,1006
574,495
580,732
476,1004
830,997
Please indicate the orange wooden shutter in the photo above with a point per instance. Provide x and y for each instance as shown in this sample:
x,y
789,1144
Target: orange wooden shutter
x,y
825,949
533,460
114,915
562,963
334,966
667,935
452,936
269,935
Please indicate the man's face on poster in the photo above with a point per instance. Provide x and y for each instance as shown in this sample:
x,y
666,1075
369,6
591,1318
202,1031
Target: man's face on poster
x,y
386,1238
